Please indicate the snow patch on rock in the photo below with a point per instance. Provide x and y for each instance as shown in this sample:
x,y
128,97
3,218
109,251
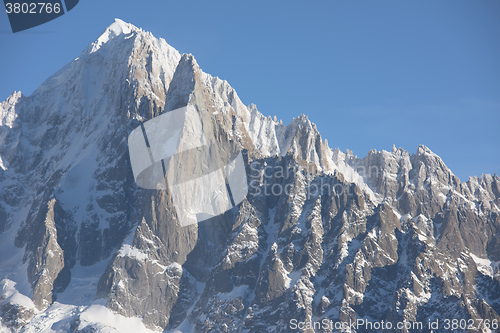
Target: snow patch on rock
x,y
9,294
132,252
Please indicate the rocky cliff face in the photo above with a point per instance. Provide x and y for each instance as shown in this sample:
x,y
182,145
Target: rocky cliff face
x,y
322,234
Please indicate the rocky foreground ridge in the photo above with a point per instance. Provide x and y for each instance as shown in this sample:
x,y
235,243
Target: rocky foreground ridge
x,y
322,235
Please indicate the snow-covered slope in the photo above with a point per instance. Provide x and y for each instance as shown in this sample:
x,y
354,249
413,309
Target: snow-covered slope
x,y
322,234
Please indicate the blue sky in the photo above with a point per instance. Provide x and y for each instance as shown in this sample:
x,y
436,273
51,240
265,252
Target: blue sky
x,y
369,73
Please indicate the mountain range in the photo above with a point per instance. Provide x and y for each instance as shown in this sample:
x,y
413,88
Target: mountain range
x,y
324,239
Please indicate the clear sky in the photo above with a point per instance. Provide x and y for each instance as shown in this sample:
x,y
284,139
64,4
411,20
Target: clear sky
x,y
369,73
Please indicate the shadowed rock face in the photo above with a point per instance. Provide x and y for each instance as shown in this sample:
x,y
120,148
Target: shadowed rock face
x,y
321,234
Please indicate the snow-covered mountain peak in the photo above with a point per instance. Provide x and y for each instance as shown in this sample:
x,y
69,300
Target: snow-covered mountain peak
x,y
424,150
117,28
120,27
